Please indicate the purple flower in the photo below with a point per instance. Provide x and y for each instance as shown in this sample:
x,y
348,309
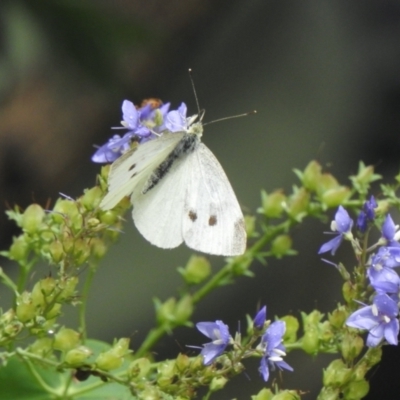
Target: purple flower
x,y
260,318
142,124
218,332
379,319
390,233
342,224
367,214
381,274
271,344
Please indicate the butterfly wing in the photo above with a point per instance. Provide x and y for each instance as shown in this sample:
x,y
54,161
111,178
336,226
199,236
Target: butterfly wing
x,y
133,169
158,213
213,221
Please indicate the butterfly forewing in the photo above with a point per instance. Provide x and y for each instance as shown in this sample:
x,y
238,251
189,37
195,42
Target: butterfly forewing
x,y
213,221
133,169
158,213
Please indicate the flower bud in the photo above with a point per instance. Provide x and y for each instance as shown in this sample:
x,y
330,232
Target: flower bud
x,y
81,251
263,394
139,368
327,182
42,346
68,286
109,217
64,209
298,203
7,317
250,224
311,176
66,339
56,251
121,347
281,246
351,346
335,197
356,390
365,175
182,362
292,326
218,383
310,341
53,312
98,248
287,395
91,198
349,292
337,374
108,361
165,311
272,204
32,218
19,249
25,310
197,269
184,309
42,291
78,355
337,317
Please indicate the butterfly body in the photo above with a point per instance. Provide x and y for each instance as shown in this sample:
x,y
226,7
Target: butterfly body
x,y
179,193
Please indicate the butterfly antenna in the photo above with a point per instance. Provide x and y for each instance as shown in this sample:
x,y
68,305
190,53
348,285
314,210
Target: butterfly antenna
x,y
231,117
194,91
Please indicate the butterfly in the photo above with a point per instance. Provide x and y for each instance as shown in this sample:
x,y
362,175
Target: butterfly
x,y
179,191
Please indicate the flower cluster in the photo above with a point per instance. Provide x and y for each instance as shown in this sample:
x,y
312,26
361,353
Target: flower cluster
x,y
142,124
380,318
270,348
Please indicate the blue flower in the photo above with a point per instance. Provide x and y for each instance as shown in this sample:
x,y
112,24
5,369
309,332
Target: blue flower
x,y
342,224
218,332
367,214
390,233
379,319
142,124
271,344
381,274
259,319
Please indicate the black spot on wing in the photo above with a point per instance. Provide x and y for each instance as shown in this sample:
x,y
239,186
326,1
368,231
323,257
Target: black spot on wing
x,y
131,167
212,220
192,215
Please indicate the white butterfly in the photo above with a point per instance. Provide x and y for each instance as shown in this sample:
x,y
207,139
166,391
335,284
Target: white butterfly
x,y
179,192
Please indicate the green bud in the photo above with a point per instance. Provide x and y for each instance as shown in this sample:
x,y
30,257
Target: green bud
x,y
272,204
19,249
250,224
64,209
184,309
56,251
335,197
32,218
7,317
351,346
383,207
158,117
109,217
108,361
67,287
287,395
310,341
121,347
67,242
92,223
330,393
298,203
25,310
337,374
182,362
66,339
42,291
218,383
78,355
42,346
311,176
338,317
166,310
281,245
349,292
263,394
373,356
54,311
139,368
197,269
292,326
327,182
356,390
98,248
81,251
92,198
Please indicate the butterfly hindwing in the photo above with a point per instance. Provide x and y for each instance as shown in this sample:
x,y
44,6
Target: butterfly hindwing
x,y
133,169
213,222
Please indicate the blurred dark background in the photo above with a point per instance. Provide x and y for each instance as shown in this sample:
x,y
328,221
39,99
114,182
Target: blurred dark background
x,y
323,76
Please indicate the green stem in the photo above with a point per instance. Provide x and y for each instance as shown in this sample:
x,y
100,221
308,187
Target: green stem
x,y
151,339
8,282
82,308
